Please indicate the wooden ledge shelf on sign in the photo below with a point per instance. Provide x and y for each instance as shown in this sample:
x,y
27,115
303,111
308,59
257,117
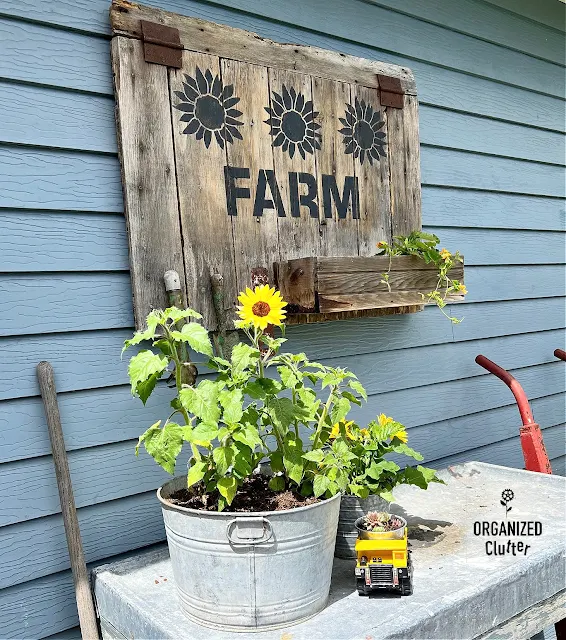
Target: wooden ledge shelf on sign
x,y
324,288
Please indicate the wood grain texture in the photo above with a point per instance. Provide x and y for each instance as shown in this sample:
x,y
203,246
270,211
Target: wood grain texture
x,y
39,608
34,241
455,130
148,174
256,241
84,360
414,38
336,283
83,595
114,416
338,235
359,301
387,371
374,335
51,118
525,316
514,283
489,23
405,168
37,548
472,209
30,488
299,235
507,453
68,301
376,198
82,63
504,247
471,171
456,398
463,434
202,36
206,229
49,56
57,180
547,13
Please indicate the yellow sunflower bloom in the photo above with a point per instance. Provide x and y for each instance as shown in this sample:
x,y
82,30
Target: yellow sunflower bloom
x,y
261,307
364,433
462,289
383,420
445,254
336,430
402,435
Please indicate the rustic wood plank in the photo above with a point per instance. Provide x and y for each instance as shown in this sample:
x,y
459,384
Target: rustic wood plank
x,y
200,160
372,173
405,168
227,42
291,94
314,318
83,594
371,282
339,227
357,301
375,264
256,241
148,174
296,280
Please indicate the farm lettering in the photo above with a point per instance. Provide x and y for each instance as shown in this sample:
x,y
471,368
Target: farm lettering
x,y
303,191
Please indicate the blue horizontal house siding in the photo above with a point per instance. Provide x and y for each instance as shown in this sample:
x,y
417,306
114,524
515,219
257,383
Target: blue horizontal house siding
x,y
490,79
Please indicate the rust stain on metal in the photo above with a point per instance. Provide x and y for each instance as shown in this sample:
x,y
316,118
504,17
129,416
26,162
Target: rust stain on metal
x,y
391,91
161,44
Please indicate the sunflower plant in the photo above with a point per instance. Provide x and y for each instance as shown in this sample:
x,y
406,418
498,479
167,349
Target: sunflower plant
x,y
369,472
425,246
262,405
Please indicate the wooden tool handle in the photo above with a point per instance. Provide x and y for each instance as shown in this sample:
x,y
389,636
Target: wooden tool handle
x,y
85,604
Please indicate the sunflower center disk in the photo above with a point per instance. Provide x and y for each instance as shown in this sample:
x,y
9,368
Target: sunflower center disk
x,y
293,126
261,309
363,134
210,112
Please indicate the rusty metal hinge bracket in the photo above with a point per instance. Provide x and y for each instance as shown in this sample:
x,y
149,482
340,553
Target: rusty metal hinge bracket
x,y
391,92
161,44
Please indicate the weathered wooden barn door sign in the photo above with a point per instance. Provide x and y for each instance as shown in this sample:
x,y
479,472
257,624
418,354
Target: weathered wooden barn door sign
x,y
238,152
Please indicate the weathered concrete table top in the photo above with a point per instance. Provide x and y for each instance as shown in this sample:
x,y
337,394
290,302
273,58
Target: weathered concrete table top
x,y
464,584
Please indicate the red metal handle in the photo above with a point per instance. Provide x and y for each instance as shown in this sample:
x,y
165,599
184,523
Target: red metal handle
x,y
513,384
560,354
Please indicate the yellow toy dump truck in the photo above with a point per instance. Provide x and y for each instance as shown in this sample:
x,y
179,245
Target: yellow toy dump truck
x,y
383,559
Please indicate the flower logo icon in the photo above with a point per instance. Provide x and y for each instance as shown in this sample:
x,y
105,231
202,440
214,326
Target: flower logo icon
x,y
506,496
208,109
291,119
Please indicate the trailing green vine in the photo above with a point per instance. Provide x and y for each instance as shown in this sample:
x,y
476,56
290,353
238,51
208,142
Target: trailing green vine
x,y
425,246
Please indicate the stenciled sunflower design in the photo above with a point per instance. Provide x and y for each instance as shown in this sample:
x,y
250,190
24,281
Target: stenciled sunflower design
x,y
208,108
262,306
292,122
361,132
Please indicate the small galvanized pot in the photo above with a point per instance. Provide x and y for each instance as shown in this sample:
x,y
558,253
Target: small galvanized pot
x,y
395,534
352,508
250,571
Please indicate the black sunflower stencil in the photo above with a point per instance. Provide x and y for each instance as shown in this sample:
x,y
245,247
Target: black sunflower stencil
x,y
208,108
361,132
291,119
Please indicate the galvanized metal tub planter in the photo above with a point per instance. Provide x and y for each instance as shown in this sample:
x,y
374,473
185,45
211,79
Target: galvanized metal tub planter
x,y
395,534
250,571
352,508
